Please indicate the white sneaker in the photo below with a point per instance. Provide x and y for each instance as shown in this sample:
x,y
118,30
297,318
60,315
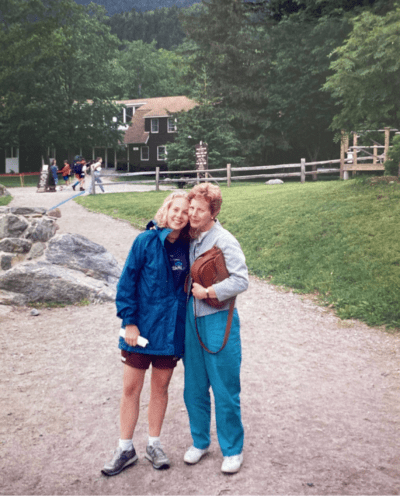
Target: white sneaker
x,y
232,464
193,455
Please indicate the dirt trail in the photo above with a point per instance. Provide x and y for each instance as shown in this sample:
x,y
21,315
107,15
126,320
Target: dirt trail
x,y
320,396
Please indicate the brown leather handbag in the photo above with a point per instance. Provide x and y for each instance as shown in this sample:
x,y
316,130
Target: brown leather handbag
x,y
208,269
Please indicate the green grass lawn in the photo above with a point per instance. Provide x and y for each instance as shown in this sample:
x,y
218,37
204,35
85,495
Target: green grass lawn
x,y
337,239
5,200
15,181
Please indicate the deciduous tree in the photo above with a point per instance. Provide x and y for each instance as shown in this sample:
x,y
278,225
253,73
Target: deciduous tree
x,y
56,70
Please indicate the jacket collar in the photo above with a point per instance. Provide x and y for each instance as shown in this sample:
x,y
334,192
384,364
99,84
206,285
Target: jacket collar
x,y
162,232
203,235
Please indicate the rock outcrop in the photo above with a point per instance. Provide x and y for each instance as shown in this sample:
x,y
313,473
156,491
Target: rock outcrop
x,y
37,265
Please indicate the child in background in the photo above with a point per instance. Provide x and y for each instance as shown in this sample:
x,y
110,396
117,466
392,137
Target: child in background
x,y
66,171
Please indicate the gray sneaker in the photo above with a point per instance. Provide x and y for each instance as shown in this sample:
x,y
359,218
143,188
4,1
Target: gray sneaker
x,y
156,455
121,460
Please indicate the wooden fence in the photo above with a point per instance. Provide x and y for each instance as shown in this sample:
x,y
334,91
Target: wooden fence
x,y
229,174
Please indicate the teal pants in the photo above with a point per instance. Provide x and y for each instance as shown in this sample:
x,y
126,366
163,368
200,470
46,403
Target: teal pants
x,y
221,372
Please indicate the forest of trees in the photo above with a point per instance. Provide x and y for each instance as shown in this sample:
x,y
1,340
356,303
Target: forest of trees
x,y
120,6
275,80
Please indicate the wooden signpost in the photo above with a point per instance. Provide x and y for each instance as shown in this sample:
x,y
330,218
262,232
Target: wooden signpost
x,y
201,156
202,159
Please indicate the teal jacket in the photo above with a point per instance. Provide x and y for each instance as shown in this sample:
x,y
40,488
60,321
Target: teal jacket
x,y
146,296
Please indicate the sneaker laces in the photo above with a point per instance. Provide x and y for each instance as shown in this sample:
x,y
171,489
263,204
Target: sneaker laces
x,y
158,452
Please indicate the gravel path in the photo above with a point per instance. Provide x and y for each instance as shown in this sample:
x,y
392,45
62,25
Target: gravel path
x,y
320,396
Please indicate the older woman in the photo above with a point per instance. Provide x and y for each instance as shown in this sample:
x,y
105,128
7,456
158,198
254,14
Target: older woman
x,y
221,370
152,304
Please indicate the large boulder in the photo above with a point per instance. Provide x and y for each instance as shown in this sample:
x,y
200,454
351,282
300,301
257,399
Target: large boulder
x,y
36,265
45,282
79,253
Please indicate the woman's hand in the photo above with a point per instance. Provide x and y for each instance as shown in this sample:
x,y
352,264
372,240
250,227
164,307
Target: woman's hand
x,y
200,293
131,335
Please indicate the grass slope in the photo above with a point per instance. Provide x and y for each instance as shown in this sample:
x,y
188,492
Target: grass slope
x,y
338,239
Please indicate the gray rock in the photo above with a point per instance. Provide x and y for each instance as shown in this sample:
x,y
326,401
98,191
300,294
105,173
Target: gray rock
x,y
41,230
28,210
4,191
79,253
49,283
7,259
12,226
15,245
37,250
5,210
275,181
35,312
10,298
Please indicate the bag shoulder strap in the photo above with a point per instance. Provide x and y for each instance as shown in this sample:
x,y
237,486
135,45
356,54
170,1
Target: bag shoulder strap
x,y
227,329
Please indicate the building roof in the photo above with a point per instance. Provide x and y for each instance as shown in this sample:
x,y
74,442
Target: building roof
x,y
152,107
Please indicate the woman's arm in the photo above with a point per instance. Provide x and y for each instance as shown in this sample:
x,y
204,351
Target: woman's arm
x,y
235,261
127,290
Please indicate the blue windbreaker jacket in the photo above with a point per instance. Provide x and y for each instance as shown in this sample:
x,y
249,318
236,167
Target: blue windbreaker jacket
x,y
146,297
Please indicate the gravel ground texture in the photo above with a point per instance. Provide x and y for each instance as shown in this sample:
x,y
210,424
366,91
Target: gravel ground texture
x,y
320,396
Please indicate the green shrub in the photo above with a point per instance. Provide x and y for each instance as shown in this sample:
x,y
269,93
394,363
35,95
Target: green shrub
x,y
392,164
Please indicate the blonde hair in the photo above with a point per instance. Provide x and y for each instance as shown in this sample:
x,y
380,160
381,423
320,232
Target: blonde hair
x,y
162,213
210,193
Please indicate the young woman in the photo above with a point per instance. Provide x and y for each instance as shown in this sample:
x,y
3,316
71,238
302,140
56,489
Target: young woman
x,y
96,170
152,304
221,371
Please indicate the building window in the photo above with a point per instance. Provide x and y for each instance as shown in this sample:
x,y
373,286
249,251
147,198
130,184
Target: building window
x,y
12,152
129,111
171,125
154,125
161,153
144,153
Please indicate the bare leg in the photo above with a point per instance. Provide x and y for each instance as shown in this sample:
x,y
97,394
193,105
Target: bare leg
x,y
129,410
160,379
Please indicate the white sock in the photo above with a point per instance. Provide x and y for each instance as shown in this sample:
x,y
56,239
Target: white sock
x,y
125,444
153,440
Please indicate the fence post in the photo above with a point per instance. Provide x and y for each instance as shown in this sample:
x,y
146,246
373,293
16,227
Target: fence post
x,y
303,170
387,139
355,154
157,178
342,151
228,175
92,185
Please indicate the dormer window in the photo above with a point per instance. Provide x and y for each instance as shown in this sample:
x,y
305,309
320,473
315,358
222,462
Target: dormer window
x,y
129,111
154,125
171,125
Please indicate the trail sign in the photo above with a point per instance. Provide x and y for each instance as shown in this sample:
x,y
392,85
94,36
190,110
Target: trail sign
x,y
202,156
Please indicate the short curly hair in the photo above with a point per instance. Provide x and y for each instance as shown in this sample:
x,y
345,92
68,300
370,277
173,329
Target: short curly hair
x,y
210,193
162,213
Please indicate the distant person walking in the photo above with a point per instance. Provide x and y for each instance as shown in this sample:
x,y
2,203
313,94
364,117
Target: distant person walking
x,y
96,170
54,171
79,173
66,172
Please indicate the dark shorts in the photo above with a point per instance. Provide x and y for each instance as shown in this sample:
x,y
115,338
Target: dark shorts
x,y
142,361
